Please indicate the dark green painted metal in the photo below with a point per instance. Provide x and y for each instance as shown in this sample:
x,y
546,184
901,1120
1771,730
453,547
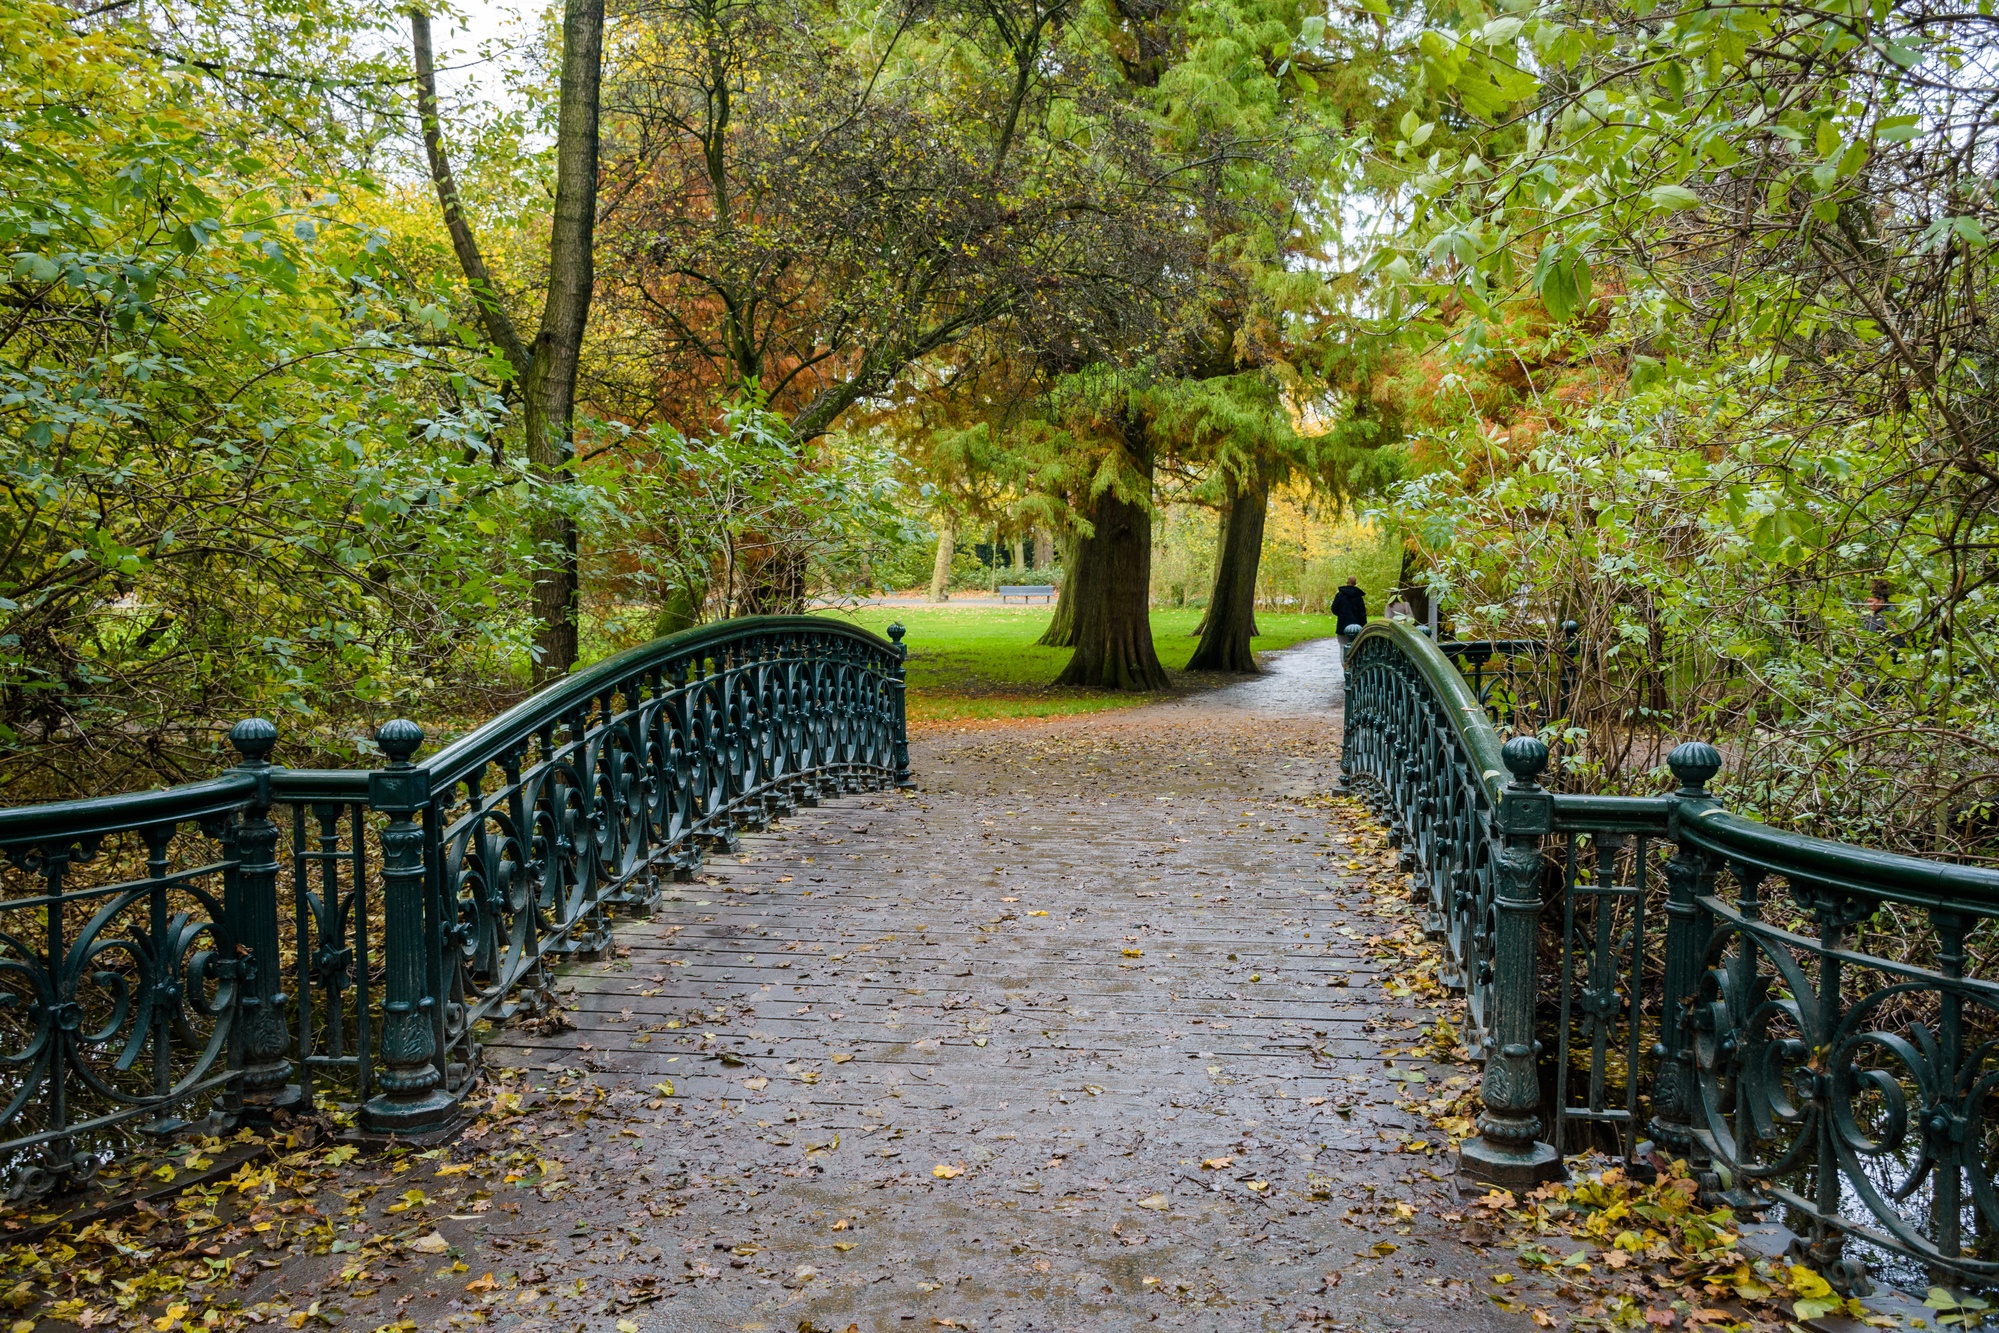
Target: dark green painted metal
x,y
1853,1096
133,1001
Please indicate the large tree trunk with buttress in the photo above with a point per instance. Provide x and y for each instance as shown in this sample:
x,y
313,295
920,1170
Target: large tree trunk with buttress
x,y
1112,594
1231,620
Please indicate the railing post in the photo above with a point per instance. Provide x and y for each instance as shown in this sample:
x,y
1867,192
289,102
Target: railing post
x,y
261,1036
1347,638
410,1100
897,689
1688,877
1508,1152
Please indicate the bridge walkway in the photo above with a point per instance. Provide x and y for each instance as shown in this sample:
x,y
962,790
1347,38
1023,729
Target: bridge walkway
x,y
1085,1033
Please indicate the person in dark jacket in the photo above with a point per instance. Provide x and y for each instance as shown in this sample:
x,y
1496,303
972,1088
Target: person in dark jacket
x,y
1349,606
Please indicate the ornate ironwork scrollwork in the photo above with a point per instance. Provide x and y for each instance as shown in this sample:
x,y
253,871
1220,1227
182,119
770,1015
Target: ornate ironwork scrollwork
x,y
172,979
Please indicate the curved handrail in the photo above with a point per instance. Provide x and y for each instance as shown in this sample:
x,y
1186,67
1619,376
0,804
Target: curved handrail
x,y
99,816
1469,722
562,698
1866,871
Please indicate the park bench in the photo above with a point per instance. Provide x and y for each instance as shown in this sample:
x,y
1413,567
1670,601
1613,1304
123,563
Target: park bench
x,y
1046,592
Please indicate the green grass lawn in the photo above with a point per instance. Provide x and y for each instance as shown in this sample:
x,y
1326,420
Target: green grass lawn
x,y
982,661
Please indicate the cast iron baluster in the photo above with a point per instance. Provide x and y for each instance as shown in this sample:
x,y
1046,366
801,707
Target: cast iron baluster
x,y
303,917
1944,1122
1634,1008
363,1010
1832,909
1689,878
898,687
165,980
58,1163
410,1099
1508,1151
1601,1002
333,960
261,1036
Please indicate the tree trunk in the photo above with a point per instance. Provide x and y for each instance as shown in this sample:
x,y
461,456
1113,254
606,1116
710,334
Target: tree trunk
x,y
1113,595
547,370
1231,621
940,570
558,348
1061,631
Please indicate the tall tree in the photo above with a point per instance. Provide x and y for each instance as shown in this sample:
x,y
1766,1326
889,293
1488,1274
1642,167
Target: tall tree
x,y
1110,595
546,368
1230,623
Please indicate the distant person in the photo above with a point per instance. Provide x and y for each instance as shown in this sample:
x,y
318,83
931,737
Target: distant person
x,y
1349,606
1875,619
1399,609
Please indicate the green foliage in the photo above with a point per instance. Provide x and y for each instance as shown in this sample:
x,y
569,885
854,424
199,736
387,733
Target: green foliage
x,y
238,477
712,520
1714,284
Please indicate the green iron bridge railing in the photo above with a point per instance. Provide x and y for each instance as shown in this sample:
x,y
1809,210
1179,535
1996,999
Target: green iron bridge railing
x,y
1655,978
280,938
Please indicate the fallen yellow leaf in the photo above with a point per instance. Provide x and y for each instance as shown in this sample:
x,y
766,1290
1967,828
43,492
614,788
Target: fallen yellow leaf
x,y
1037,914
841,1059
1218,1163
1158,1203
943,1172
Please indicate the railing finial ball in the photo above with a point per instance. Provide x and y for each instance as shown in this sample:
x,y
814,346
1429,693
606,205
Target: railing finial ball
x,y
1694,763
253,739
399,739
896,631
1525,757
